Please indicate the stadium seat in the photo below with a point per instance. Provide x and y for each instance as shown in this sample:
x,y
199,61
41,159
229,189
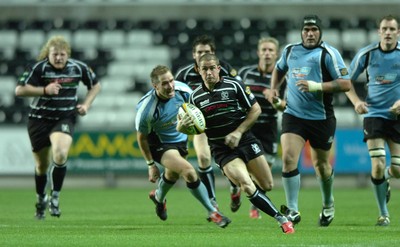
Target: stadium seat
x,y
110,39
131,53
7,88
293,36
139,38
116,85
83,39
8,43
333,37
373,36
120,68
62,32
354,39
31,39
8,39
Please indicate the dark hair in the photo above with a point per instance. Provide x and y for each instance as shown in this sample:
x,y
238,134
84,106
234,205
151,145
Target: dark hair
x,y
204,40
209,57
387,18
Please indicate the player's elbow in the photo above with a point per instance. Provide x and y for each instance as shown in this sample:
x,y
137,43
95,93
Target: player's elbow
x,y
256,109
19,91
345,85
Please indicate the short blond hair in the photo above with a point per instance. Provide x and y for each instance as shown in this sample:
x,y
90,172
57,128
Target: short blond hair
x,y
58,42
268,40
157,71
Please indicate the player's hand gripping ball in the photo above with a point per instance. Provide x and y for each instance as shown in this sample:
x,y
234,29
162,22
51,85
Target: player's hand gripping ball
x,y
199,123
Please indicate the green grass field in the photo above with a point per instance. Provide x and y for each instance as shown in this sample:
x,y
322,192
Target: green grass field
x,y
126,217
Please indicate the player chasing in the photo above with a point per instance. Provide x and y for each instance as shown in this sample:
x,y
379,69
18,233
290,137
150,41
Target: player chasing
x,y
54,81
314,70
159,141
258,78
381,108
190,75
230,110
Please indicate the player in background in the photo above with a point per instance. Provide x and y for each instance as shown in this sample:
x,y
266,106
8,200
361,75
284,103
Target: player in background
x,y
230,110
159,141
258,78
314,70
381,108
190,75
53,82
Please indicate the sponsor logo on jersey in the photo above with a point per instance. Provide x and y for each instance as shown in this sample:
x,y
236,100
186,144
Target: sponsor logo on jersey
x,y
386,79
207,101
301,73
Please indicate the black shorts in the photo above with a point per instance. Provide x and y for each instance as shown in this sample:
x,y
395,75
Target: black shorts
x,y
39,131
320,133
267,133
376,127
249,148
158,150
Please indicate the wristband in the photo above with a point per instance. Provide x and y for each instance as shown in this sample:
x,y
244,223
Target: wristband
x,y
44,91
150,162
314,86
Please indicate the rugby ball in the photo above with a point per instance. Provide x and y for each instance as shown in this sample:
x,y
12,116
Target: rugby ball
x,y
197,116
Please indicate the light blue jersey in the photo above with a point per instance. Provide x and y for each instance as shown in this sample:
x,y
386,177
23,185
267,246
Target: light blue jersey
x,y
383,75
322,63
157,116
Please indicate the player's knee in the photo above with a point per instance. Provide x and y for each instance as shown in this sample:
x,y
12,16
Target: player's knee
x,y
264,184
247,188
189,174
204,160
378,156
41,169
60,155
395,166
60,158
269,186
289,163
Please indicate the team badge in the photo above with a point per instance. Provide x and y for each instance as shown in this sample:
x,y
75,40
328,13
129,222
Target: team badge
x,y
344,71
233,72
65,128
248,90
224,95
255,148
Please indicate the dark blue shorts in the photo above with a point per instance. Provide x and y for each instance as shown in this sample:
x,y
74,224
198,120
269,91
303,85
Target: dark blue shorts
x,y
249,148
39,131
319,133
376,127
267,133
158,150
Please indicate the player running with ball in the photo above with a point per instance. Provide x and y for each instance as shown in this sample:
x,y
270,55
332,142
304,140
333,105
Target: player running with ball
x,y
159,141
230,110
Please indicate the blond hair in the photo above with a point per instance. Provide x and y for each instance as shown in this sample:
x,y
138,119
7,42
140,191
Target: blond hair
x,y
58,42
268,40
157,71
